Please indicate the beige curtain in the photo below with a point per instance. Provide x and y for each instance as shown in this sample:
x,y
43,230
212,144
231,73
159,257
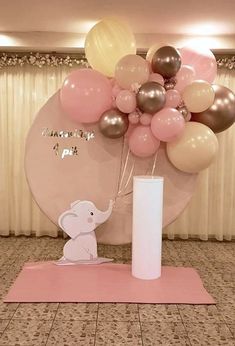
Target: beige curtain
x,y
23,90
210,213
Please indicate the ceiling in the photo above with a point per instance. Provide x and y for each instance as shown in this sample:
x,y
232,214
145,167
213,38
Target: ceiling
x,y
191,17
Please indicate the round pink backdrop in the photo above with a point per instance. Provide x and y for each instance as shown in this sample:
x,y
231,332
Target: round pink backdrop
x,y
100,169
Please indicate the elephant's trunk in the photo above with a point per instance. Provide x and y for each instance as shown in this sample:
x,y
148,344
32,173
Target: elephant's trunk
x,y
102,216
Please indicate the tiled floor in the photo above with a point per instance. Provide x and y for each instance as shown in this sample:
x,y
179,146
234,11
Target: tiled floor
x,y
122,324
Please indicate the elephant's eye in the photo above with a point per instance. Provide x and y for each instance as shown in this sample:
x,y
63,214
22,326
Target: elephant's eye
x,y
91,213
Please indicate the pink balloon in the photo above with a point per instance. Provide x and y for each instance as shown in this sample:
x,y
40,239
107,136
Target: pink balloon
x,y
156,77
202,60
85,95
167,124
131,128
114,104
184,77
142,143
112,81
116,89
126,101
173,98
145,119
134,118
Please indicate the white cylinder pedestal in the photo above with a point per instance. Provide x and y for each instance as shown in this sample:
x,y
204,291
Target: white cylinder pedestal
x,y
147,227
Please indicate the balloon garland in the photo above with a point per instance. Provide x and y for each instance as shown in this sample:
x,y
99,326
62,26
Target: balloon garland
x,y
167,97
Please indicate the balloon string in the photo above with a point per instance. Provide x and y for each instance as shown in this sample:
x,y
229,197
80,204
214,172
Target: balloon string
x,y
127,182
120,170
130,175
124,171
154,163
120,189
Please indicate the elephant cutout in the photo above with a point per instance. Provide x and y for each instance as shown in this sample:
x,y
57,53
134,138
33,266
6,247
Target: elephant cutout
x,y
80,222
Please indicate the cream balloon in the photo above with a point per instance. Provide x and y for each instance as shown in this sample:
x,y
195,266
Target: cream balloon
x,y
131,70
106,43
198,96
194,150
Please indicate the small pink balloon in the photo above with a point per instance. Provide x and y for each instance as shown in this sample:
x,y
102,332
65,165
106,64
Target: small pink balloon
x,y
202,60
142,143
156,77
134,118
145,119
126,101
116,89
114,104
184,77
112,81
131,128
167,124
173,98
85,95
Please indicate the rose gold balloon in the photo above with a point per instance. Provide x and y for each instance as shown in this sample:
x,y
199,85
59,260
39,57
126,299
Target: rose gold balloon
x,y
151,97
166,61
194,150
113,123
184,111
221,115
153,49
94,173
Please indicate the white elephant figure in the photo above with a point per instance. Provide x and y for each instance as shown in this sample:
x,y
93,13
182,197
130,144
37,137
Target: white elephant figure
x,y
79,223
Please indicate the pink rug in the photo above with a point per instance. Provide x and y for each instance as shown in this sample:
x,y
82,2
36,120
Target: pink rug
x,y
46,282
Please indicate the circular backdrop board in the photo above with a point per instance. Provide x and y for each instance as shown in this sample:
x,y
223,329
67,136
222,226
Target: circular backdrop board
x,y
66,162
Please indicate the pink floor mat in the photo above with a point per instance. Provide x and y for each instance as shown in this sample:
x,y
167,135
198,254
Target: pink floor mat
x,y
47,282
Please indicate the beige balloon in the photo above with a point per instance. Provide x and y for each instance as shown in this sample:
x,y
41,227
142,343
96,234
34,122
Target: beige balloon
x,y
194,150
106,43
198,96
153,49
130,70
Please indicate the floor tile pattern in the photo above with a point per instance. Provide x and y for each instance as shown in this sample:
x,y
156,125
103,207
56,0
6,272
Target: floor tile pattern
x,y
121,324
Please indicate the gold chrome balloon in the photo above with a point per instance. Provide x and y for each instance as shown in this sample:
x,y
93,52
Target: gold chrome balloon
x,y
151,97
221,115
113,123
166,61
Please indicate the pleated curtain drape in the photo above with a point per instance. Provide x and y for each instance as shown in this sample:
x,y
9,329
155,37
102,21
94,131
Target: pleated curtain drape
x,y
23,90
210,213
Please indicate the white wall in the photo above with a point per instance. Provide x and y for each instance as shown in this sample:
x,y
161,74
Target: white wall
x,y
70,42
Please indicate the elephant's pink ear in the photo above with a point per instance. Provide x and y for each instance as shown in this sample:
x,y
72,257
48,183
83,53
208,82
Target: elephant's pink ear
x,y
69,223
